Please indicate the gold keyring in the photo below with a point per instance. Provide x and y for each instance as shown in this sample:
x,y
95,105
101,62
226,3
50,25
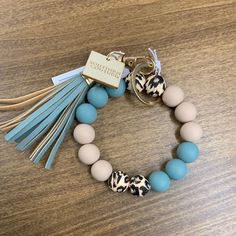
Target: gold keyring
x,y
133,78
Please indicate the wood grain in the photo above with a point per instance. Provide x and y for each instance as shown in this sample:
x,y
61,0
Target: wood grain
x,y
197,47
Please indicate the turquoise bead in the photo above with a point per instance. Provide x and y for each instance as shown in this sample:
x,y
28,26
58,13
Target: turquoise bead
x,y
187,152
159,181
176,169
97,96
86,113
117,92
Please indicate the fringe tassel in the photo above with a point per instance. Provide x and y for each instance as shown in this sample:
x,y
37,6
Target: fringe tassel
x,y
53,114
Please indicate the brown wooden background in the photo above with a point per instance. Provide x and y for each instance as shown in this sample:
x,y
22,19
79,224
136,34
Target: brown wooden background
x,y
197,46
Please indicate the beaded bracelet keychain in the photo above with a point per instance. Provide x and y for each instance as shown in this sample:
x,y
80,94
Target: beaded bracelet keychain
x,y
102,77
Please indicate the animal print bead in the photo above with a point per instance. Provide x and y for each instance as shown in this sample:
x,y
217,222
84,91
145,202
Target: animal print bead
x,y
155,85
139,185
118,182
140,81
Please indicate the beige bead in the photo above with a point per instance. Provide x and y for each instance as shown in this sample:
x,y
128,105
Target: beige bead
x,y
185,112
88,154
101,170
173,96
84,133
191,131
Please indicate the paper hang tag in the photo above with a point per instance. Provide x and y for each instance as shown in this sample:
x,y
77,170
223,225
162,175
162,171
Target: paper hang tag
x,y
76,72
102,70
68,75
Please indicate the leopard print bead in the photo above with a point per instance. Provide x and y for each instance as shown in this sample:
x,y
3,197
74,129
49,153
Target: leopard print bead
x,y
155,85
139,185
140,81
118,182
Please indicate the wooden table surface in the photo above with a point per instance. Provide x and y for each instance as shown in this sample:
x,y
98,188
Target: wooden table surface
x,y
196,41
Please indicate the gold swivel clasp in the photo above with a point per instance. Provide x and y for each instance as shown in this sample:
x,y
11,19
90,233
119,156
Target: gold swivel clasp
x,y
132,62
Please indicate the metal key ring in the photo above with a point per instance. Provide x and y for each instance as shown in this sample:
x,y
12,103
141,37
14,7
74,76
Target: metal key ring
x,y
136,70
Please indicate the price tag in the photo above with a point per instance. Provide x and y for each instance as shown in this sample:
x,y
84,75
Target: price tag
x,y
68,75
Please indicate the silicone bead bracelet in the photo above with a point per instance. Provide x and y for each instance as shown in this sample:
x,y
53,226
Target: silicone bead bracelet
x,y
103,76
117,180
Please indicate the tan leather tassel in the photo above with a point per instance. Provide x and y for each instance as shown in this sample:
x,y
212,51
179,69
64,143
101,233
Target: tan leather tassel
x,y
25,97
8,128
7,125
25,103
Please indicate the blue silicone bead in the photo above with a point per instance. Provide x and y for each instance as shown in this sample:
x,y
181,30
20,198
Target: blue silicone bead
x,y
176,169
117,92
97,96
159,181
187,152
86,113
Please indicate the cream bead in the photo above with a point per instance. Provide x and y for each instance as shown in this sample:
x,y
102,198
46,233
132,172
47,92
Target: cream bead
x,y
88,154
101,170
84,133
191,131
173,96
185,112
